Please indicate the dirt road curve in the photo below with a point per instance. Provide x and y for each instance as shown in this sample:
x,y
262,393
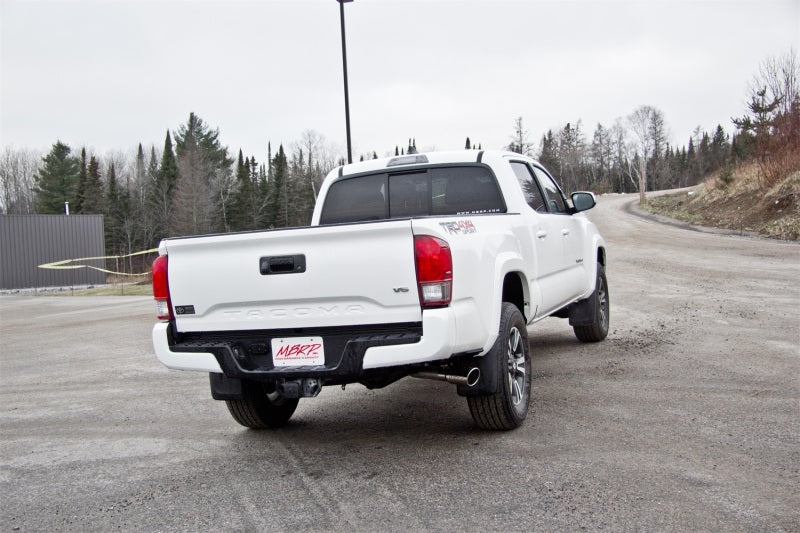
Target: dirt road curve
x,y
687,417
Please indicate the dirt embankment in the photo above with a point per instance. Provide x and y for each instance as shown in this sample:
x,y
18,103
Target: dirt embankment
x,y
738,201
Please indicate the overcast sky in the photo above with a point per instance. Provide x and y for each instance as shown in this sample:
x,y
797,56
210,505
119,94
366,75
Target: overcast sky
x,y
110,74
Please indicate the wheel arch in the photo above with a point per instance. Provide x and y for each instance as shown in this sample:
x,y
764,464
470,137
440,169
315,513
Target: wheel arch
x,y
515,291
510,283
601,255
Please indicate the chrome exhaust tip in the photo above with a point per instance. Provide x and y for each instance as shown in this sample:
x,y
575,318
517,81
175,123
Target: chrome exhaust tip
x,y
471,379
473,376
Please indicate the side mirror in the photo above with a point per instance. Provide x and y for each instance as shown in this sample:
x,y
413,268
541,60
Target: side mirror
x,y
583,201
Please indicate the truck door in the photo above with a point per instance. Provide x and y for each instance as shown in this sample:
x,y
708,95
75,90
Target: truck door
x,y
568,229
543,233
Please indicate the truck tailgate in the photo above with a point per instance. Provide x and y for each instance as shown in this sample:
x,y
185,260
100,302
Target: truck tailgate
x,y
320,276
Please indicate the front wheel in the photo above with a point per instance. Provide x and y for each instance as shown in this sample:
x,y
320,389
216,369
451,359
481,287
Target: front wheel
x,y
508,406
261,406
599,308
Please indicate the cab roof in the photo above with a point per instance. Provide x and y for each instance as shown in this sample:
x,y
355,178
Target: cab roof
x,y
428,158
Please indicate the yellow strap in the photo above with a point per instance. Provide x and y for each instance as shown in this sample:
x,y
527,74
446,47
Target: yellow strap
x,y
64,265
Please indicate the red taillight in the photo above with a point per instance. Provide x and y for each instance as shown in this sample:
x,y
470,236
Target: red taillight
x,y
161,289
434,271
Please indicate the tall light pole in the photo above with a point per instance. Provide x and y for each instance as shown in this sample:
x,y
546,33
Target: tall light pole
x,y
346,92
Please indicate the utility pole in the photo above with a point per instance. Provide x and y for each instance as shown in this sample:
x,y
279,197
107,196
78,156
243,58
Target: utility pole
x,y
346,93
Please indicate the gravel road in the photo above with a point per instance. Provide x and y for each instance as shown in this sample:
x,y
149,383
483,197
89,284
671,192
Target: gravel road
x,y
687,417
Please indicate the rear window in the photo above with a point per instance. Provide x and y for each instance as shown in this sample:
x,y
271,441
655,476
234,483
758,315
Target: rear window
x,y
458,190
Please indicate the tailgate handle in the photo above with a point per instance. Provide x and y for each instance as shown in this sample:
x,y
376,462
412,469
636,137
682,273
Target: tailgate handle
x,y
282,264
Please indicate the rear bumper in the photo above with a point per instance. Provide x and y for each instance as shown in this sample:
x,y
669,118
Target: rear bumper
x,y
200,360
350,352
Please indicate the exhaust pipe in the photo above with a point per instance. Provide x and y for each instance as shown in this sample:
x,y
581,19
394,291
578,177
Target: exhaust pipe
x,y
472,377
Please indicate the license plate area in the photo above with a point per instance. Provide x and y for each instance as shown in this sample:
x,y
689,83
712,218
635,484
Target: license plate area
x,y
298,351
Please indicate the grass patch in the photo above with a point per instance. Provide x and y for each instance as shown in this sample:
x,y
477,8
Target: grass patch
x,y
673,206
105,290
735,199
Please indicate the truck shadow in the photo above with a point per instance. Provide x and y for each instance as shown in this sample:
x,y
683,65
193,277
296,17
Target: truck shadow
x,y
411,410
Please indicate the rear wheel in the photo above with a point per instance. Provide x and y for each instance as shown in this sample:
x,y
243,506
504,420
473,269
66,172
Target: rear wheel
x,y
508,406
261,406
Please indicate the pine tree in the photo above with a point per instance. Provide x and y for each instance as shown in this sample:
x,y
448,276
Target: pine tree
x,y
704,155
141,168
206,182
162,192
277,214
93,197
147,217
719,148
245,203
468,145
141,183
112,212
152,166
691,163
56,180
80,191
548,153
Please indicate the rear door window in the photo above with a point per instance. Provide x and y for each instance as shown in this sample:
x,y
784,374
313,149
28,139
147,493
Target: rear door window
x,y
530,189
465,191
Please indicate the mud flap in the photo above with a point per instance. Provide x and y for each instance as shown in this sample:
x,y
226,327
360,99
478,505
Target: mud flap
x,y
225,388
487,384
582,313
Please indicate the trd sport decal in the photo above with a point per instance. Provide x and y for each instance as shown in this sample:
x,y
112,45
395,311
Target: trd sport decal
x,y
459,227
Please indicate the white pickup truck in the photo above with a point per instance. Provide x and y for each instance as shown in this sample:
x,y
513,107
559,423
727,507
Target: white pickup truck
x,y
426,265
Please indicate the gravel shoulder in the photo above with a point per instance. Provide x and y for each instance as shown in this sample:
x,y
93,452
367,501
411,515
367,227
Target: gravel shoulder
x,y
686,418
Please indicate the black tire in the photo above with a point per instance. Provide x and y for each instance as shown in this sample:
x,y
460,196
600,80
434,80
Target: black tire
x,y
598,329
508,406
261,406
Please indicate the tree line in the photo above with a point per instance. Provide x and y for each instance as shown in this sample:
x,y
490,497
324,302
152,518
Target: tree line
x,y
193,185
632,155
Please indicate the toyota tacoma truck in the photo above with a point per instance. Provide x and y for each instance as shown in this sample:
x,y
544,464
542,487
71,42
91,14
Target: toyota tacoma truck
x,y
425,265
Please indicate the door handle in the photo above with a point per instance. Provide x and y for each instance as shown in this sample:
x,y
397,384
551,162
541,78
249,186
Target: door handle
x,y
541,234
565,232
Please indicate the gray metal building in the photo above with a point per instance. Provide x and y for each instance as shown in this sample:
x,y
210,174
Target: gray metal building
x,y
27,241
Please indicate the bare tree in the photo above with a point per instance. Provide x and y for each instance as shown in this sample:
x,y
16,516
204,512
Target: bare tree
x,y
659,134
780,76
321,157
572,155
622,160
601,152
222,184
643,122
520,140
773,118
17,170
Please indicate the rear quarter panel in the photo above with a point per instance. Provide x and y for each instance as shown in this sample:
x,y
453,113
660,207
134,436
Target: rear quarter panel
x,y
484,249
